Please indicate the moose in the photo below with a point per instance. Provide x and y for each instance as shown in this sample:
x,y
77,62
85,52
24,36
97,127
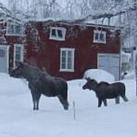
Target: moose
x,y
40,82
104,91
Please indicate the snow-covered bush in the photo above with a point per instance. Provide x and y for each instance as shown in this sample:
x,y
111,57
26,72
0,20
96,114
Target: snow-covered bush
x,y
99,75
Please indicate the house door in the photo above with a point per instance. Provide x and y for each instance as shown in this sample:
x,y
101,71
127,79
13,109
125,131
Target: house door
x,y
4,58
110,63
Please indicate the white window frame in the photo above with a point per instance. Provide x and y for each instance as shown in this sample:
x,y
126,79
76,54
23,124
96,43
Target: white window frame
x,y
99,32
66,69
9,24
21,55
57,37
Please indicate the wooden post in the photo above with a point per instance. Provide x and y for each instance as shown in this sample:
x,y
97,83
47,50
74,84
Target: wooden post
x,y
74,110
136,73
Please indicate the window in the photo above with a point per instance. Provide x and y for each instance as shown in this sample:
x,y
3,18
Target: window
x,y
18,53
67,59
14,29
57,33
99,36
2,53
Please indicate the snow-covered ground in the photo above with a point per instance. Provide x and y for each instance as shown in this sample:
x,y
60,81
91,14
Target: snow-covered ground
x,y
17,119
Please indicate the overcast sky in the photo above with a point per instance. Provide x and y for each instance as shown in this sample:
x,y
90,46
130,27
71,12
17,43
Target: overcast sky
x,y
5,2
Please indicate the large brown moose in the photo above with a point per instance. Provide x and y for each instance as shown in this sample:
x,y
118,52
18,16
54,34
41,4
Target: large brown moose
x,y
106,91
42,83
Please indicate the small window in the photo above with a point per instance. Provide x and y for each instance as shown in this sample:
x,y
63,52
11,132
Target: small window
x,y
67,59
14,29
99,36
57,33
18,53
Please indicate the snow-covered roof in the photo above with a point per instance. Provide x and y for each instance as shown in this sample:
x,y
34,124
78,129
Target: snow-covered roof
x,y
71,22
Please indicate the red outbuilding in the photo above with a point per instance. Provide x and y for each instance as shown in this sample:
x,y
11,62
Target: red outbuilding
x,y
12,40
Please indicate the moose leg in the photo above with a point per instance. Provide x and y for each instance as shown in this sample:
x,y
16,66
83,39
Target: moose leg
x,y
64,102
35,105
34,102
105,102
35,98
117,100
99,102
124,98
37,101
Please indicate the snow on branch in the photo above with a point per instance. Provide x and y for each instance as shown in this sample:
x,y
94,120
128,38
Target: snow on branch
x,y
5,13
105,15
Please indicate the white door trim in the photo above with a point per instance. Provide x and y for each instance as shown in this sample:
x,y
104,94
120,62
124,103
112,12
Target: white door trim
x,y
7,55
14,54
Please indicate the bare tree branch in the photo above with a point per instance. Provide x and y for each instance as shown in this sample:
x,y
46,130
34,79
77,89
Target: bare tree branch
x,y
105,15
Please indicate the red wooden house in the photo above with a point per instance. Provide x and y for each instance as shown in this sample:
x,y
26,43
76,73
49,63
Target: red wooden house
x,y
68,49
62,48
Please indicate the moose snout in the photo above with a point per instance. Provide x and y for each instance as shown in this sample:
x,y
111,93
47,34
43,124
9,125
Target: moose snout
x,y
84,87
11,72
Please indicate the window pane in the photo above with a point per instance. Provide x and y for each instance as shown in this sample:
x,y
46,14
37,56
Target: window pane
x,y
63,63
69,54
11,29
54,32
102,37
18,54
60,35
63,60
69,65
63,53
96,36
18,29
2,53
63,66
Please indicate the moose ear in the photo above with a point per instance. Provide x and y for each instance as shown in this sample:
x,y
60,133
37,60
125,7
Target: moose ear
x,y
88,79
